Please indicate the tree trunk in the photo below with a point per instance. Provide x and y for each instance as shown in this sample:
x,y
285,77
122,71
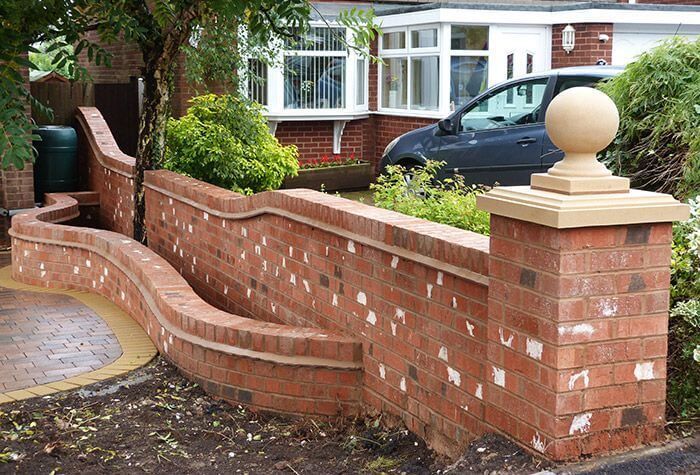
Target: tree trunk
x,y
158,84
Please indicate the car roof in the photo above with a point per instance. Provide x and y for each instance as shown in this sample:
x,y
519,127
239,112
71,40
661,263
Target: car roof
x,y
594,70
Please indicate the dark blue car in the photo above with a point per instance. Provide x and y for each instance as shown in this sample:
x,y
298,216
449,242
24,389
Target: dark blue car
x,y
499,136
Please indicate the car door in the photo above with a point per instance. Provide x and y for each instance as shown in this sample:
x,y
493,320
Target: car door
x,y
550,152
498,137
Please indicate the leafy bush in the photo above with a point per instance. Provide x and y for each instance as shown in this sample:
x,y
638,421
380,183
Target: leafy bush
x,y
224,140
450,201
684,323
658,96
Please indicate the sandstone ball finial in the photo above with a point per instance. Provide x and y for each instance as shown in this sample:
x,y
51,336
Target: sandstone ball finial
x,y
582,120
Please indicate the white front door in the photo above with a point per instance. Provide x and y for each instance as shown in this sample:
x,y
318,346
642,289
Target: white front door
x,y
517,51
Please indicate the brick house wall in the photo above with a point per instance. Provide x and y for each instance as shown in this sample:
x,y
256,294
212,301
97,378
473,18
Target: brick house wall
x,y
588,49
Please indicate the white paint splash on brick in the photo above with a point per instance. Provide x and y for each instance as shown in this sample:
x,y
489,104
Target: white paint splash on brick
x,y
88,264
442,354
327,251
249,292
402,384
257,249
243,255
264,241
439,279
106,272
454,377
429,288
194,260
393,328
394,262
264,266
306,258
123,296
479,391
206,216
537,442
273,306
470,328
189,228
351,247
335,300
76,270
580,329
382,371
284,262
362,298
581,423
225,289
293,279
244,232
372,318
583,375
533,348
400,315
454,302
291,251
307,287
644,371
499,377
43,273
509,341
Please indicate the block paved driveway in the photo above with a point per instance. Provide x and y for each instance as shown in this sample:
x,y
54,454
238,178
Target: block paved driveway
x,y
49,337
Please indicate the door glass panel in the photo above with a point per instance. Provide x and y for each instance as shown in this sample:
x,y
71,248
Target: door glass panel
x,y
495,111
529,63
509,75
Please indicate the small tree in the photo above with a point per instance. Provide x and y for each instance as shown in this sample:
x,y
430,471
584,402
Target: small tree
x,y
658,95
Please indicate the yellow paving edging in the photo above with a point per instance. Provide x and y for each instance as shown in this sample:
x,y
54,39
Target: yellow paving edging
x,y
137,348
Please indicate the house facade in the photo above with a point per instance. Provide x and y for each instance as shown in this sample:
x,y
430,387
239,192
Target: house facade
x,y
330,101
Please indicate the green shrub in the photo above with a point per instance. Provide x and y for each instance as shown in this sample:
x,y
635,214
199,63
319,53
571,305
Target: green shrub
x,y
684,322
224,140
450,201
658,96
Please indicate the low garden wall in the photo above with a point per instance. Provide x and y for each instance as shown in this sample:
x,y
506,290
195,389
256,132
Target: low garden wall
x,y
301,302
267,366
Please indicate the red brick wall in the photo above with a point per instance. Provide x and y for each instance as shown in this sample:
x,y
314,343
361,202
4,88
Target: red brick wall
x,y
270,367
577,335
107,170
314,139
588,49
309,259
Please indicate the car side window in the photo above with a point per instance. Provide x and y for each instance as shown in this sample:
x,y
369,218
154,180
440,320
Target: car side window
x,y
518,104
565,83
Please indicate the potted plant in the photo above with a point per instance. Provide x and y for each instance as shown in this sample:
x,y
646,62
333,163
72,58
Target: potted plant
x,y
334,173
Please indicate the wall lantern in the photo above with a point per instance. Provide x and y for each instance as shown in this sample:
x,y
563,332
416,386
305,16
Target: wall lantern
x,y
568,38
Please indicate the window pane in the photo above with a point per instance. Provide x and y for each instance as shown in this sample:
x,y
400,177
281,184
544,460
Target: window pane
x,y
468,78
424,38
424,82
257,81
395,40
470,37
494,111
317,39
395,83
314,82
360,83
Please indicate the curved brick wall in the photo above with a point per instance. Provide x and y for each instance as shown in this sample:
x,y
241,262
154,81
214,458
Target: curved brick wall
x,y
413,292
265,365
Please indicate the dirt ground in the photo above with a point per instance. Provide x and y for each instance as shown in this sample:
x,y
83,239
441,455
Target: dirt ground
x,y
155,421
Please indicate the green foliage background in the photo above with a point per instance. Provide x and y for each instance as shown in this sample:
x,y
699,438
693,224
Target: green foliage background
x,y
658,97
449,201
224,140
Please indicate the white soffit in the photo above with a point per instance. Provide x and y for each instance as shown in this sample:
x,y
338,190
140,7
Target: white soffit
x,y
525,17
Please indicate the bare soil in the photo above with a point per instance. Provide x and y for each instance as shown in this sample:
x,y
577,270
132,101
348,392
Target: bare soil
x,y
155,421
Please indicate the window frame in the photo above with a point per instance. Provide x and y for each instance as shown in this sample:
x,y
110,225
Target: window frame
x,y
469,53
408,53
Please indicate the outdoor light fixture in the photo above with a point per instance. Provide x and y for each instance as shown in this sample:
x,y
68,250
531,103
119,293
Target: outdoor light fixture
x,y
568,38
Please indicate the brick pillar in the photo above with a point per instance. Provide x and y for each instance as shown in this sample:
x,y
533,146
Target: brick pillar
x,y
578,296
577,335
